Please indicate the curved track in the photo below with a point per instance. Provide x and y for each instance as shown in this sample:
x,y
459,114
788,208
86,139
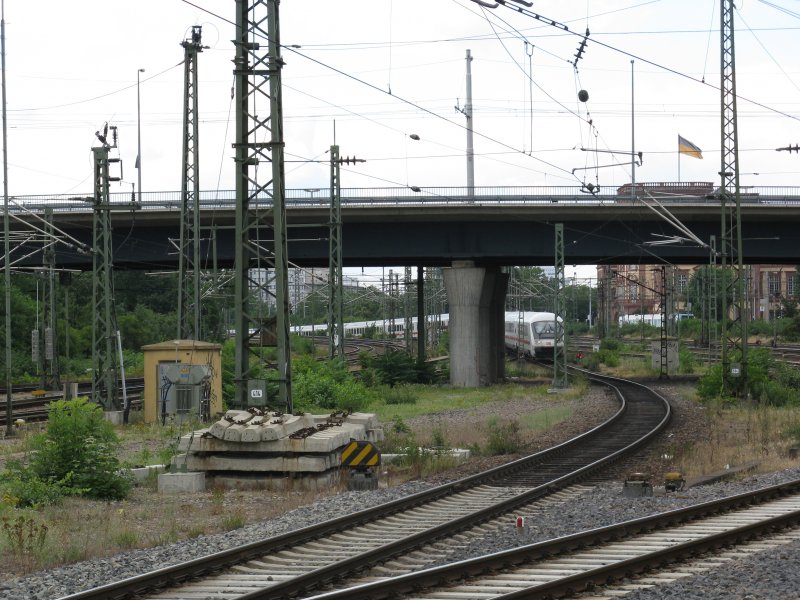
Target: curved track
x,y
297,563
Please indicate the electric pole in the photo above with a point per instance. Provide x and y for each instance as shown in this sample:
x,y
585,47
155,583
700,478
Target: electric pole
x,y
260,200
50,321
104,358
408,324
560,380
734,326
189,242
335,283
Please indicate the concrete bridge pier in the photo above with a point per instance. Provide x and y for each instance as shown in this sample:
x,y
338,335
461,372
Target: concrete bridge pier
x,y
476,299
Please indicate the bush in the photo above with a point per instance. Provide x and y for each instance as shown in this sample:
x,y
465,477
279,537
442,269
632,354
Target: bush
x,y
686,360
395,367
504,438
609,344
22,488
608,357
78,451
327,385
301,344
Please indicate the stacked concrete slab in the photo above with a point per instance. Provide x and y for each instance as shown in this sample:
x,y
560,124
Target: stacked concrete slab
x,y
248,449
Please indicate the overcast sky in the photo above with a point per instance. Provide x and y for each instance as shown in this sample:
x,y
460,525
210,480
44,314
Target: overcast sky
x,y
384,69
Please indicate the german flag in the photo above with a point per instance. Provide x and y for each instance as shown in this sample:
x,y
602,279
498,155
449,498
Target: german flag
x,y
687,147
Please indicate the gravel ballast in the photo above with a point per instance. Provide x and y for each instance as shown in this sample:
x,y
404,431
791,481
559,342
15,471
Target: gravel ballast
x,y
770,575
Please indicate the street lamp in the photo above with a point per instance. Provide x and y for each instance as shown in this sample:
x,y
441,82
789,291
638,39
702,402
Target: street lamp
x,y
139,136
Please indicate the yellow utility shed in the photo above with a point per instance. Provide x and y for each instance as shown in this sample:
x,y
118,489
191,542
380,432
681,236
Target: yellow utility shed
x,y
182,378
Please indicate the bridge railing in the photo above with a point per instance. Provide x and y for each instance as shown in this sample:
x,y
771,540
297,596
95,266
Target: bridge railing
x,y
383,196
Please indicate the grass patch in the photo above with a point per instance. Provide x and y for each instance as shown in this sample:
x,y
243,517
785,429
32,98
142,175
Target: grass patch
x,y
432,400
545,419
742,434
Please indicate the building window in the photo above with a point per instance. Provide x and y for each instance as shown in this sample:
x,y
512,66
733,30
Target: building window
x,y
790,284
774,283
682,283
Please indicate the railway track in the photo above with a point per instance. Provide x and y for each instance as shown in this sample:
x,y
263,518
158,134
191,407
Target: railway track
x,y
35,408
787,353
652,548
298,563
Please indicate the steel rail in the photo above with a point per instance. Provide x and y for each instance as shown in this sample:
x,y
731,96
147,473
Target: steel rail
x,y
175,574
463,571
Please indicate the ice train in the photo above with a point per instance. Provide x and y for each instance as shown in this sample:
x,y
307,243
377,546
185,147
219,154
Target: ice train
x,y
533,334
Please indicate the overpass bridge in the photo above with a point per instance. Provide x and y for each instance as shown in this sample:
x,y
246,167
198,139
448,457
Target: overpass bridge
x,y
435,226
472,234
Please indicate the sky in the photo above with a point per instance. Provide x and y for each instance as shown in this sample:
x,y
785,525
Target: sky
x,y
367,74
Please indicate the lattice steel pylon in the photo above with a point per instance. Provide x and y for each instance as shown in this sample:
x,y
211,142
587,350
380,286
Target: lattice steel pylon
x,y
559,337
260,196
335,283
408,307
734,326
189,241
665,310
104,358
52,378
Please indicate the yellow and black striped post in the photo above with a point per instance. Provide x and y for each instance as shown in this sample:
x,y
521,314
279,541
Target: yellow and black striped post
x,y
359,454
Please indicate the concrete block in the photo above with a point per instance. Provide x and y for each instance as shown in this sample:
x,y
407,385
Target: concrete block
x,y
457,453
278,483
263,464
252,433
375,435
288,425
175,483
114,416
140,474
324,441
234,433
231,418
368,420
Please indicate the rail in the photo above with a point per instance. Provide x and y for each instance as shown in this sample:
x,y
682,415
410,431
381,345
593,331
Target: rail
x,y
635,423
616,568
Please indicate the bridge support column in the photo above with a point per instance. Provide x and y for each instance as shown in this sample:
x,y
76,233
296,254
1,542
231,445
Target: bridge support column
x,y
476,297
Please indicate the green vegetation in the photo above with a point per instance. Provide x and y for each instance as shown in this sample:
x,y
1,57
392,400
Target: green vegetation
x,y
325,386
75,456
504,437
771,382
395,367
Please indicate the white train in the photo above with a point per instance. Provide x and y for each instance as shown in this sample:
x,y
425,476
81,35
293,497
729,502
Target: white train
x,y
359,328
651,319
532,333
648,319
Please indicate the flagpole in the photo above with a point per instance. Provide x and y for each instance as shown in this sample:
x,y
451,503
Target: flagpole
x,y
679,159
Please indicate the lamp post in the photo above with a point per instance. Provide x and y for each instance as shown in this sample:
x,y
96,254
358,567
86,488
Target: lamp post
x,y
139,136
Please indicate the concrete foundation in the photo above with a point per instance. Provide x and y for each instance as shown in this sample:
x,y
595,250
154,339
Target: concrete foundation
x,y
114,416
178,483
254,450
476,297
140,474
274,482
